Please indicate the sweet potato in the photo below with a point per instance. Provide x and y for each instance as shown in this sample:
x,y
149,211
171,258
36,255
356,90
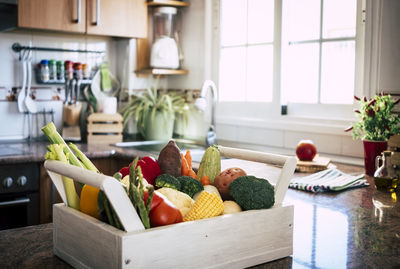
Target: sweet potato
x,y
169,159
225,178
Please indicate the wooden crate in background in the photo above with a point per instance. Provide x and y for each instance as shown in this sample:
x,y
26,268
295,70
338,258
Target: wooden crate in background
x,y
104,128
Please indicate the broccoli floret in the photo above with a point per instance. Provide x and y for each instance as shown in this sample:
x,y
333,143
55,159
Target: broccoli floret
x,y
168,181
189,185
251,192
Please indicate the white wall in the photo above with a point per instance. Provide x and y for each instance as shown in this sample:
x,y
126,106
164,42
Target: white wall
x,y
193,46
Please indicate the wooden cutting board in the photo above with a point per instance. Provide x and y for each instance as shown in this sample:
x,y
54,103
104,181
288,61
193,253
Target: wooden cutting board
x,y
318,164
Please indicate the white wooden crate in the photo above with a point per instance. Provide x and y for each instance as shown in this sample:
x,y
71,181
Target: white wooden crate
x,y
229,241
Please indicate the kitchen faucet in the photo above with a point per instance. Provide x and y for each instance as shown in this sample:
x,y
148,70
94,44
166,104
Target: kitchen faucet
x,y
201,104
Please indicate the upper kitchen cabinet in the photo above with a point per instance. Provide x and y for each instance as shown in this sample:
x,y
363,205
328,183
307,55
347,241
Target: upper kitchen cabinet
x,y
121,18
60,15
124,18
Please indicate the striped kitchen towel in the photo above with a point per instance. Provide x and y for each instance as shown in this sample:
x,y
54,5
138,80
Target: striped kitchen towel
x,y
328,180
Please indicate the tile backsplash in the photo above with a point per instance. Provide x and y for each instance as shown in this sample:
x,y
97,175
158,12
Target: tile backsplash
x,y
10,66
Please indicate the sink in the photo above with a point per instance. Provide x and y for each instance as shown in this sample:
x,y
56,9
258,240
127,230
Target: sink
x,y
155,146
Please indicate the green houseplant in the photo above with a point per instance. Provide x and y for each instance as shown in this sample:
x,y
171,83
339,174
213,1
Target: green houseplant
x,y
154,112
376,124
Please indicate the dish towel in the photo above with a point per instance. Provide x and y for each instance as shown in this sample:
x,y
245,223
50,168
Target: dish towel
x,y
328,180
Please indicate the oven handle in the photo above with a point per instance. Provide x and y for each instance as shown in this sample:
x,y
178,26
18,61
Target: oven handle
x,y
20,201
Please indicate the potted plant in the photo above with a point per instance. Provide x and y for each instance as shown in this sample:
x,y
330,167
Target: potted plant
x,y
154,113
376,124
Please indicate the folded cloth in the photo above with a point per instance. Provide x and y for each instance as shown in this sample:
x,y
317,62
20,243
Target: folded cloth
x,y
328,180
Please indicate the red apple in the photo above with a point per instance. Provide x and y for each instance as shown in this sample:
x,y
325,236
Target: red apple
x,y
306,150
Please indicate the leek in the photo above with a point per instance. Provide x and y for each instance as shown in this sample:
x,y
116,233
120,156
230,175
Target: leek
x,y
85,160
55,138
56,153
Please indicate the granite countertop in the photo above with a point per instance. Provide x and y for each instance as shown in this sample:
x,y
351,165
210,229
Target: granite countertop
x,y
357,228
23,151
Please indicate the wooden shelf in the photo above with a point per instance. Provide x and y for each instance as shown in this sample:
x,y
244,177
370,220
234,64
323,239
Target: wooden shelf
x,y
160,71
170,3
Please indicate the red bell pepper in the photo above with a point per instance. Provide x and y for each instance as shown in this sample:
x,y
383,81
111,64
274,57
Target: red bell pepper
x,y
124,171
150,169
162,211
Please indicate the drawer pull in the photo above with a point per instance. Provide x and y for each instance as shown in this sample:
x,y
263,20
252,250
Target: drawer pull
x,y
79,12
97,21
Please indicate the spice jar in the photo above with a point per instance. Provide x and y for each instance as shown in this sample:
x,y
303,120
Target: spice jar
x,y
85,71
60,70
69,70
53,70
78,70
44,71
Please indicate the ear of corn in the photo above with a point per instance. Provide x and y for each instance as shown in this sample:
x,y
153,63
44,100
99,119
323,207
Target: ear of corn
x,y
207,205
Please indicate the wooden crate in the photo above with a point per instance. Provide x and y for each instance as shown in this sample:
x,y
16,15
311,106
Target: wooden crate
x,y
104,128
229,241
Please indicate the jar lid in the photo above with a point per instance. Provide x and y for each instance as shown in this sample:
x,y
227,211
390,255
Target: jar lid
x,y
52,61
60,62
44,62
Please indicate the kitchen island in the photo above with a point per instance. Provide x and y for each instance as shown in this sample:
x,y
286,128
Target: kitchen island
x,y
356,228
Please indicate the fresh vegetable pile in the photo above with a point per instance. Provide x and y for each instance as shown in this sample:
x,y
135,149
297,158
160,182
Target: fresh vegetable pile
x,y
166,190
208,193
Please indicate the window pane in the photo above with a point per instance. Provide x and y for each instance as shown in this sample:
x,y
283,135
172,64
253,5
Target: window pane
x,y
339,18
260,21
303,19
259,73
300,74
233,22
232,74
337,76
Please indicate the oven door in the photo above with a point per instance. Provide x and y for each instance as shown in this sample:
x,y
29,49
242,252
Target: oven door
x,y
18,210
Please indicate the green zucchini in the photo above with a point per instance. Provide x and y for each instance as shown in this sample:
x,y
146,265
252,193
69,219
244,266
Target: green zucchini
x,y
210,164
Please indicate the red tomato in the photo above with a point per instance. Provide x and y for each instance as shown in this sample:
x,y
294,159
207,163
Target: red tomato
x,y
157,199
165,213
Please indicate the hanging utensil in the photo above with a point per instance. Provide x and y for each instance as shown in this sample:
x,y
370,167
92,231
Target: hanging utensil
x,y
21,94
29,102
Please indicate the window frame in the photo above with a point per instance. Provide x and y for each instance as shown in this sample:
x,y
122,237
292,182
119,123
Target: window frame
x,y
272,111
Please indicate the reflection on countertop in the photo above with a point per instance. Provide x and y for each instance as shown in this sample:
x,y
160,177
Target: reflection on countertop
x,y
357,228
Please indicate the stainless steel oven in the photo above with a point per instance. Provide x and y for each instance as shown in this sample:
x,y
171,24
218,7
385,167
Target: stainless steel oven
x,y
19,195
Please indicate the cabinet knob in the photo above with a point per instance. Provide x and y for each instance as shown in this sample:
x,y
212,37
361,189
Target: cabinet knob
x,y
7,182
21,181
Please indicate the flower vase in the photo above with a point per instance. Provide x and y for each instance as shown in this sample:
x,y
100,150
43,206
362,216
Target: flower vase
x,y
371,150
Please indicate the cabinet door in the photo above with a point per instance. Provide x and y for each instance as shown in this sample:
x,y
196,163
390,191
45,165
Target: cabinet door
x,y
59,15
124,18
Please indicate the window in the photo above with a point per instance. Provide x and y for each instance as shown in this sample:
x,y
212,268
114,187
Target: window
x,y
246,52
300,53
318,51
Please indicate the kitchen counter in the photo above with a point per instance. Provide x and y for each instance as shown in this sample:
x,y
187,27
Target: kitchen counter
x,y
357,228
22,152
